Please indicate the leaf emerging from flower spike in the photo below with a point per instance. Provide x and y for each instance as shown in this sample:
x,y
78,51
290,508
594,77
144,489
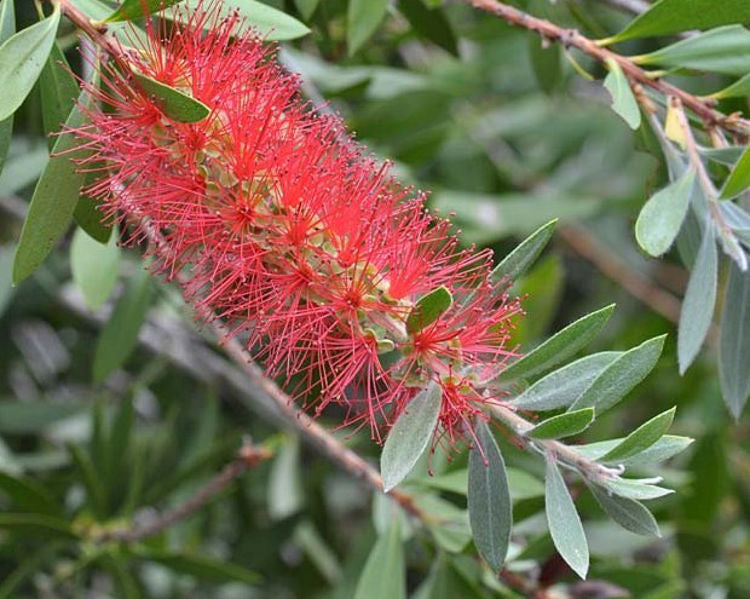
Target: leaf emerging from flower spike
x,y
134,9
174,103
428,309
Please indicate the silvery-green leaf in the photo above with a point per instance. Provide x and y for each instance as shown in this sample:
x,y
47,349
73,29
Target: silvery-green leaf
x,y
734,345
561,387
700,298
641,438
564,522
661,217
628,513
387,556
559,347
636,489
563,425
490,507
95,267
22,58
410,436
621,376
623,100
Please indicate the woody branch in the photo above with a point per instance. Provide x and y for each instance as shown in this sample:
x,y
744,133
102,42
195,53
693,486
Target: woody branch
x,y
702,108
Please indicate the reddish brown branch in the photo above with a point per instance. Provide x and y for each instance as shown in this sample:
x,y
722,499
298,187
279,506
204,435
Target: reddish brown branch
x,y
248,457
702,108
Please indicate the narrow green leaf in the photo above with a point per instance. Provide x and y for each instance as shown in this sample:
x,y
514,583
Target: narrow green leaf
x,y
564,522
27,567
490,507
384,574
91,478
562,387
119,569
623,100
563,425
172,102
641,438
7,28
636,489
661,217
621,376
59,91
120,335
410,436
88,216
430,23
269,22
134,9
722,50
6,276
739,178
363,18
700,298
53,202
428,309
198,565
119,444
559,347
95,267
36,524
445,581
672,16
524,254
22,58
29,495
665,448
628,513
734,345
738,89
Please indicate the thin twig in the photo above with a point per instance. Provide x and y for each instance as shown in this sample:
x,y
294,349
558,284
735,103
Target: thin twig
x,y
572,38
248,457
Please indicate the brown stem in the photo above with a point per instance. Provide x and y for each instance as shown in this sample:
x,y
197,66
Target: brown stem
x,y
248,457
572,38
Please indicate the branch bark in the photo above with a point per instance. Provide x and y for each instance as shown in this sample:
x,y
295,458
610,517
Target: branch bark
x,y
702,108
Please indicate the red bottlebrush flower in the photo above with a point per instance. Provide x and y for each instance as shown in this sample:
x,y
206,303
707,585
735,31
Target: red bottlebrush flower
x,y
282,226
